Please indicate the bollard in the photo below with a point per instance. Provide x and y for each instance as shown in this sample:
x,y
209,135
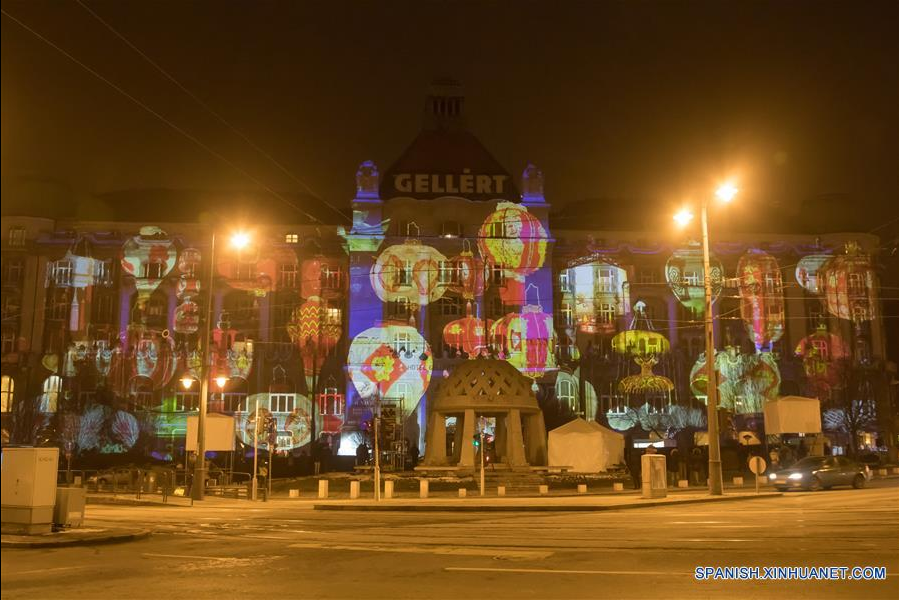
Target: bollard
x,y
618,486
882,472
500,490
895,470
543,490
354,490
738,481
322,489
388,489
294,493
582,488
463,492
423,488
683,483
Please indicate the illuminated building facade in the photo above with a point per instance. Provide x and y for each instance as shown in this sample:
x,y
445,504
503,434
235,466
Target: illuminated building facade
x,y
448,257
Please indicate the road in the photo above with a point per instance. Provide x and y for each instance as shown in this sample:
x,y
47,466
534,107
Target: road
x,y
288,551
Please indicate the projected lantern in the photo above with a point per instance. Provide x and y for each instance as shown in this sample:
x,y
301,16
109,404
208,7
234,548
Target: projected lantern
x,y
745,381
849,285
233,351
822,355
468,334
761,297
393,361
526,340
409,270
646,382
513,238
292,421
640,339
313,335
470,270
808,270
254,268
187,317
153,358
598,291
686,277
149,258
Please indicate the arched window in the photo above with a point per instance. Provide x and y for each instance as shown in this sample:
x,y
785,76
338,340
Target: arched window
x,y
566,392
50,397
7,387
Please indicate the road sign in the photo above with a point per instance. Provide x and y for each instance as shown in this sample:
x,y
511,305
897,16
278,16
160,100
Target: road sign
x,y
757,464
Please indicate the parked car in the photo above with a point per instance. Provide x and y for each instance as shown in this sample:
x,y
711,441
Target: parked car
x,y
110,477
815,473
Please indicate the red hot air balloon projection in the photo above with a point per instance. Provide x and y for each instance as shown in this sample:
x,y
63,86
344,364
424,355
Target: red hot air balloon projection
x,y
527,340
409,270
822,355
761,297
469,280
850,285
808,271
187,314
321,277
745,381
685,274
233,351
254,268
515,240
149,258
314,333
468,334
393,361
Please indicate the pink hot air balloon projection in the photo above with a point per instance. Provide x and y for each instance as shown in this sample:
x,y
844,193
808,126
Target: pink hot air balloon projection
x,y
468,334
408,271
761,297
849,284
314,334
527,340
469,279
148,257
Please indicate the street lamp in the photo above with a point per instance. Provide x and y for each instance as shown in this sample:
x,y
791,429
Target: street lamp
x,y
725,193
198,489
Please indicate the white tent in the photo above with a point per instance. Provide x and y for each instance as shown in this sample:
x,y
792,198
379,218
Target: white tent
x,y
793,414
585,447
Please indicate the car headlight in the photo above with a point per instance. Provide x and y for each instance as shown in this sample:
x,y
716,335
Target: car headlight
x,y
772,476
795,476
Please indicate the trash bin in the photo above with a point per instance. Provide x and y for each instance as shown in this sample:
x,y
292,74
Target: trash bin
x,y
655,482
69,509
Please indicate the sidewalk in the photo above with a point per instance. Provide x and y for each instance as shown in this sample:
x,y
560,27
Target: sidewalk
x,y
83,536
534,504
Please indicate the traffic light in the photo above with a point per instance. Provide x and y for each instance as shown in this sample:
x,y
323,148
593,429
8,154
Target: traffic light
x,y
476,440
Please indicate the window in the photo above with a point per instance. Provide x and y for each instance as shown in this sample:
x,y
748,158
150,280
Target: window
x,y
283,403
451,229
333,316
816,317
566,392
616,404
567,314
156,307
496,230
564,281
288,276
246,269
450,307
497,308
12,274
856,283
402,342
607,313
186,401
653,345
9,341
291,238
244,309
404,274
16,236
497,275
821,348
649,275
153,270
447,273
59,273
103,307
398,309
774,309
772,282
399,392
58,307
7,389
143,397
402,227
330,402
606,279
50,397
233,402
692,278
104,272
331,277
10,307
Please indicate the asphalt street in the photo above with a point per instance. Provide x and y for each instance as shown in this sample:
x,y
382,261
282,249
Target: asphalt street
x,y
284,550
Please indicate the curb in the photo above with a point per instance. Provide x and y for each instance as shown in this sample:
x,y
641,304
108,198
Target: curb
x,y
130,502
462,507
114,538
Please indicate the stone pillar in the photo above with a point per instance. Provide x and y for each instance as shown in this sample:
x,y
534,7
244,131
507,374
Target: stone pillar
x,y
536,442
500,441
514,442
457,440
435,450
466,457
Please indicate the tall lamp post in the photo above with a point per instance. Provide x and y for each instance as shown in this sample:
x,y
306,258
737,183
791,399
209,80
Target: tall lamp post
x,y
725,193
198,489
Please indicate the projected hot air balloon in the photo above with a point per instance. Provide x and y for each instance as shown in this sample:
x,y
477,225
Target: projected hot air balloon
x,y
761,297
468,334
469,281
849,284
148,257
686,277
640,339
315,336
392,361
515,240
808,271
822,355
527,340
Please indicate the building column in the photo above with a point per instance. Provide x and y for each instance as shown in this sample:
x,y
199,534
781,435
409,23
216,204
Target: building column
x,y
536,444
500,439
514,439
466,456
435,449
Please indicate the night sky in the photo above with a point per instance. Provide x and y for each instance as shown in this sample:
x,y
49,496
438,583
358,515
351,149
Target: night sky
x,y
613,100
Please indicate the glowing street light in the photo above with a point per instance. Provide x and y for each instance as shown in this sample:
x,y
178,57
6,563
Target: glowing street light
x,y
238,241
187,382
725,193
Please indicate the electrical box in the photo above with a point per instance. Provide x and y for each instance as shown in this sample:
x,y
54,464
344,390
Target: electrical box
x,y
654,475
28,489
69,511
